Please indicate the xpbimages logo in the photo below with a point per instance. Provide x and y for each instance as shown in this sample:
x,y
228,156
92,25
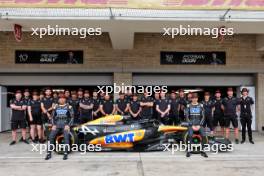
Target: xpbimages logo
x,y
189,30
83,32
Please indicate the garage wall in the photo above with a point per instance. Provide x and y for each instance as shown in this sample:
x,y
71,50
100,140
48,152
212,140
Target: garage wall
x,y
99,56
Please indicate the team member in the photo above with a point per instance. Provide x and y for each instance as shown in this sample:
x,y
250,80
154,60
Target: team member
x,y
163,108
146,104
86,108
47,105
194,113
175,107
218,117
34,112
62,118
74,102
208,105
183,103
80,93
55,97
67,94
155,102
189,97
96,107
128,95
230,107
134,107
26,99
107,106
122,105
18,119
41,95
246,103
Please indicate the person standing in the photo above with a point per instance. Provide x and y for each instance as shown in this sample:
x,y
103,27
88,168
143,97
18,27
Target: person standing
x,y
246,103
122,105
163,108
34,112
75,103
134,108
86,108
155,102
175,108
18,119
107,106
96,107
208,105
218,117
146,103
47,104
183,103
230,107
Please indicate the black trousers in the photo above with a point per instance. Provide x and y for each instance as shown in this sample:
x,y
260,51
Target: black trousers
x,y
246,122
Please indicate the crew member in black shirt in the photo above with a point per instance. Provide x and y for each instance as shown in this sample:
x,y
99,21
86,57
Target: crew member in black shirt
x,y
47,104
208,106
163,108
86,108
80,93
183,104
146,104
34,112
230,107
107,106
218,117
18,119
74,102
155,102
122,105
96,108
175,107
134,107
246,103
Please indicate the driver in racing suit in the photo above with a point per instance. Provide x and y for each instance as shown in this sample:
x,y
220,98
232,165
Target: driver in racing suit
x,y
194,114
62,118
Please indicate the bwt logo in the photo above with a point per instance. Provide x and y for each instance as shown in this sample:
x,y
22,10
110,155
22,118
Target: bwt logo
x,y
118,138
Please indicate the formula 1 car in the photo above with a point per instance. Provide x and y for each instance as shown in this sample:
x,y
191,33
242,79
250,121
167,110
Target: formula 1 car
x,y
116,132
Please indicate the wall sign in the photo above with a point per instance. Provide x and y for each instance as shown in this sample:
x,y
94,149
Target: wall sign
x,y
197,58
48,57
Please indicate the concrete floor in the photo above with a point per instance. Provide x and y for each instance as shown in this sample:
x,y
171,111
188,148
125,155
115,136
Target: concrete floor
x,y
19,160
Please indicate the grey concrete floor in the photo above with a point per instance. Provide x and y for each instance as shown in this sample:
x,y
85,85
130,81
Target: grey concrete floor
x,y
19,160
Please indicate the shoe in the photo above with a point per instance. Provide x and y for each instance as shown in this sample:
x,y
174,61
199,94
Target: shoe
x,y
204,154
35,141
242,142
65,156
237,141
48,156
21,139
25,141
252,142
12,143
188,154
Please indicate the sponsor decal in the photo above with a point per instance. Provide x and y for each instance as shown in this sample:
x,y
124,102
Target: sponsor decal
x,y
118,138
84,129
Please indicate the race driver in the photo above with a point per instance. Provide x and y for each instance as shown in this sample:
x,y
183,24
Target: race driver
x,y
194,114
230,107
62,119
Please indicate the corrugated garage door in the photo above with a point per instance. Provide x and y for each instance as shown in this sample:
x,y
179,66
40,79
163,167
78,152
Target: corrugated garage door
x,y
55,79
193,80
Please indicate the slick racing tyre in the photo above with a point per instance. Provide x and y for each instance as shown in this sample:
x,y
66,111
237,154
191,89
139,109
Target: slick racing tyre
x,y
60,140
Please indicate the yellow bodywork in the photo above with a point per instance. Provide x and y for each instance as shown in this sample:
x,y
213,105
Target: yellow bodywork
x,y
168,129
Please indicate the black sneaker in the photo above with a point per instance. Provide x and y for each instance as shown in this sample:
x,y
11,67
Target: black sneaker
x,y
236,141
12,143
25,141
65,156
48,156
188,154
251,141
204,154
242,142
21,139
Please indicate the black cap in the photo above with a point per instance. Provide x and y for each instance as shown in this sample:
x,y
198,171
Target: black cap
x,y
244,90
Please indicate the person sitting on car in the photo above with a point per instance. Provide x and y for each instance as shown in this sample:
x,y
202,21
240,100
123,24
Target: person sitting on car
x,y
194,114
62,119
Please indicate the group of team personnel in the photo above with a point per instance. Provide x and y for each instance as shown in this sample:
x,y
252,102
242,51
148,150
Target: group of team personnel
x,y
33,109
